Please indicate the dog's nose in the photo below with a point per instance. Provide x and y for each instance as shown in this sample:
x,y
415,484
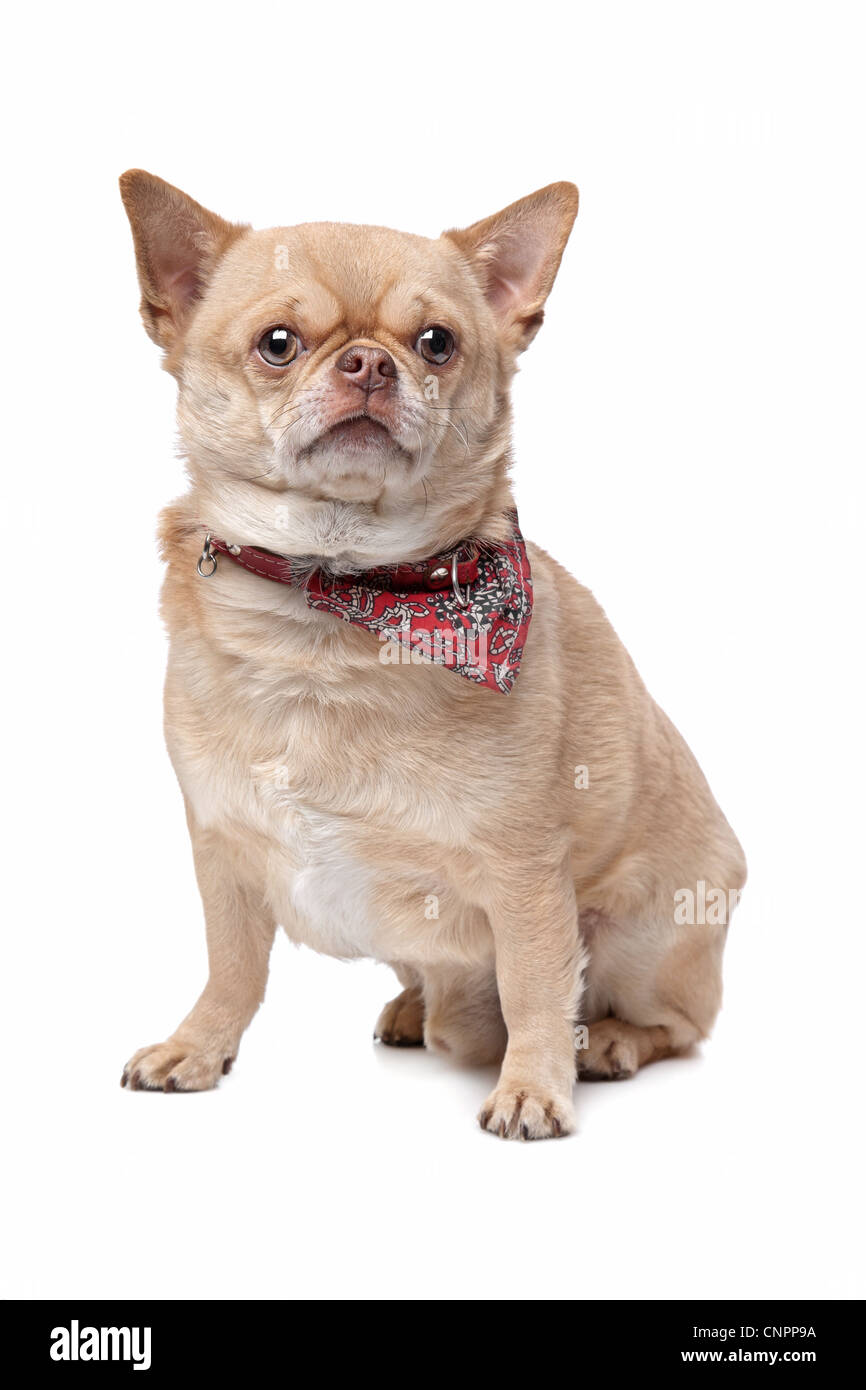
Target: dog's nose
x,y
371,368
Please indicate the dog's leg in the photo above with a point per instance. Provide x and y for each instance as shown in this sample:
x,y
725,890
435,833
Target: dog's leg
x,y
667,1002
401,1022
539,962
463,1018
240,933
450,1009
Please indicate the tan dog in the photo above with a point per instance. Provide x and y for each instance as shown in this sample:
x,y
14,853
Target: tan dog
x,y
344,401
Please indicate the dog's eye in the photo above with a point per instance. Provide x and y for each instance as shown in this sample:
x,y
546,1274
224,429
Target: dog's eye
x,y
435,345
279,346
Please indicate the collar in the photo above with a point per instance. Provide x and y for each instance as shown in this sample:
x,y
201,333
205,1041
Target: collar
x,y
466,609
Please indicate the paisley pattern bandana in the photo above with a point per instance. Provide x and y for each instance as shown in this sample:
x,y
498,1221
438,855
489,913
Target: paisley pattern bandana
x,y
468,615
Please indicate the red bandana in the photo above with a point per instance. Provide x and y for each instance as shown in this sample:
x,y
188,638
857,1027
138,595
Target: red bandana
x,y
471,616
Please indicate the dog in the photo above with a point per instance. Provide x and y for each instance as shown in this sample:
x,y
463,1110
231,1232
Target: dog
x,y
378,694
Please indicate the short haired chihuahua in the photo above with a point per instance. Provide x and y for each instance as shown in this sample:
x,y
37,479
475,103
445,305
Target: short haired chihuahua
x,y
378,694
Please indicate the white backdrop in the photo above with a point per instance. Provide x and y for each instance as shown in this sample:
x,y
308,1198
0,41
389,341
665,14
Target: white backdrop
x,y
689,443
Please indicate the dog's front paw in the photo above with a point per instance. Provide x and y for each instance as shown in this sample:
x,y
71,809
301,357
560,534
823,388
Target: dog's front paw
x,y
176,1065
525,1112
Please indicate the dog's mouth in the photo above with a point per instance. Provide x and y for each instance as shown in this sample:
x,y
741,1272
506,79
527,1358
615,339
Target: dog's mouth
x,y
358,443
360,431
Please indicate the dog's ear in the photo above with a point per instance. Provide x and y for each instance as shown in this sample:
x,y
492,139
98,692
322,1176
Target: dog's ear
x,y
516,255
177,245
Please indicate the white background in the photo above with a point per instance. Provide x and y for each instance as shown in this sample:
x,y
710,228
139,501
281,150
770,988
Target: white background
x,y
689,442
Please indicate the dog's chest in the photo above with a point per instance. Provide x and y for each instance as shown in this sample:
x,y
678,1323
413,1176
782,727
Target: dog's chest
x,y
320,888
329,792
317,882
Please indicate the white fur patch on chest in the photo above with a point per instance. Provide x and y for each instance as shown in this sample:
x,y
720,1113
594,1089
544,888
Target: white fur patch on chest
x,y
320,890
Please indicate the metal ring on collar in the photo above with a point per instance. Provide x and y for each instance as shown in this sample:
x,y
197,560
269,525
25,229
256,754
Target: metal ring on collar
x,y
461,598
207,556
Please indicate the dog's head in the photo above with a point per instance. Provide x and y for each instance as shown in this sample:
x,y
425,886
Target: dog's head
x,y
344,389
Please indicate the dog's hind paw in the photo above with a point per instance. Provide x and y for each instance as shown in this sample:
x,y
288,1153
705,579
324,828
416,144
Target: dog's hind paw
x,y
401,1022
612,1054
